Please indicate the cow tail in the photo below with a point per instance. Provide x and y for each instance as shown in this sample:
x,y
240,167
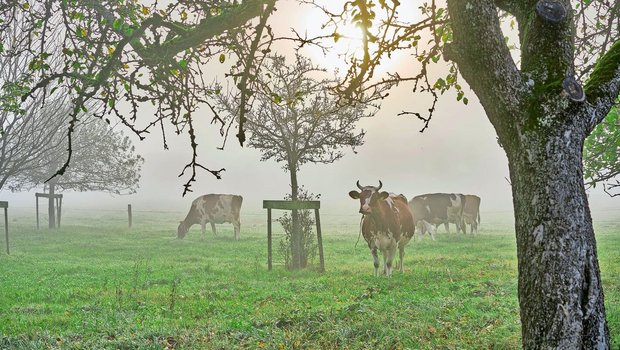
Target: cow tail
x,y
360,234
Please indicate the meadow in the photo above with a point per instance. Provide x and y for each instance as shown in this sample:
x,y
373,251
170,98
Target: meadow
x,y
96,284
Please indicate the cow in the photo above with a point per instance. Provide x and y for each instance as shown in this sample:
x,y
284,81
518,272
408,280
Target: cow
x,y
471,213
436,209
215,209
387,224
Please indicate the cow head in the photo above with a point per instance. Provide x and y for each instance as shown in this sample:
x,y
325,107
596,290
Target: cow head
x,y
369,197
182,229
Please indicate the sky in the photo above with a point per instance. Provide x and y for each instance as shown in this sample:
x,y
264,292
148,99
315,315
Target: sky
x,y
458,153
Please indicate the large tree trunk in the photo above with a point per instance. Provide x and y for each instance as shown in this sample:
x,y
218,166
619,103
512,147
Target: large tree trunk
x,y
542,131
560,292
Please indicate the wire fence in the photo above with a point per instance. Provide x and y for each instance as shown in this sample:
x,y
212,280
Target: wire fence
x,y
331,222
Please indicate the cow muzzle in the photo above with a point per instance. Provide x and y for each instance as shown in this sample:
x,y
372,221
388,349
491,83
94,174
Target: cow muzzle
x,y
365,211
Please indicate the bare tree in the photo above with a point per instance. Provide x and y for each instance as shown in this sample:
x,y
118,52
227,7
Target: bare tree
x,y
134,54
34,142
294,121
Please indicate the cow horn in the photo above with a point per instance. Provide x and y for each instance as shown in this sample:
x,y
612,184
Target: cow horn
x,y
359,186
380,185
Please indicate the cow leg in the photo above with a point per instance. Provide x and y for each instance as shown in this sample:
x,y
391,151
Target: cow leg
x,y
401,254
237,229
213,228
447,226
375,258
388,258
203,227
431,230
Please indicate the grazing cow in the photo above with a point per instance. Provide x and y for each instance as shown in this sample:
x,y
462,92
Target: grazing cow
x,y
215,209
387,224
471,213
436,209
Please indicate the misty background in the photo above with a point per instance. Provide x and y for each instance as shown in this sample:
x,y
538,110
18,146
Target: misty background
x,y
457,153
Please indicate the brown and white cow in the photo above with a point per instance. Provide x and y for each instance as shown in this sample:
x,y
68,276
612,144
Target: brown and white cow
x,y
387,224
436,209
214,209
471,213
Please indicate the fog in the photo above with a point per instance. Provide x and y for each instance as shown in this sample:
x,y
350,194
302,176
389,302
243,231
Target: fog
x,y
457,153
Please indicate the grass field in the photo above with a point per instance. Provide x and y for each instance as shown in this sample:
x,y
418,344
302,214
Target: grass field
x,y
96,284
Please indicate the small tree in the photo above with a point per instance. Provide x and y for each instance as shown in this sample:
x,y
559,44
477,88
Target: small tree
x,y
306,224
296,121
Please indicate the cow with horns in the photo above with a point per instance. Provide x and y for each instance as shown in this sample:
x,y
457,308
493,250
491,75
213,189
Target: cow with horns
x,y
387,224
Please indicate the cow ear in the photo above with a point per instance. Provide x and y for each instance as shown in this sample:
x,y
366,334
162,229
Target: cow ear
x,y
383,195
354,194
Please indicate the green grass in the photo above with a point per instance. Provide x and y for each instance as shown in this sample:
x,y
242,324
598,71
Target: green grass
x,y
96,284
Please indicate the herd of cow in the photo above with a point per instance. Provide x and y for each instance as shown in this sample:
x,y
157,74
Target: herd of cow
x,y
388,221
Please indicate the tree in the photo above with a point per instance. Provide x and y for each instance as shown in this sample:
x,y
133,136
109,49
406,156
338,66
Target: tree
x,y
601,154
103,160
542,115
295,120
129,53
537,105
34,141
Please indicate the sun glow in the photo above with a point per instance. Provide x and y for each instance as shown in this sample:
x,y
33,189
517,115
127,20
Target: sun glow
x,y
344,41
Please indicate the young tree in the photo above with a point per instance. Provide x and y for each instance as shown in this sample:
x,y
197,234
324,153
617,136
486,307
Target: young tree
x,y
295,120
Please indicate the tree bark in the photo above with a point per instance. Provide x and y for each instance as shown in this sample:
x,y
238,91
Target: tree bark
x,y
296,239
560,289
542,131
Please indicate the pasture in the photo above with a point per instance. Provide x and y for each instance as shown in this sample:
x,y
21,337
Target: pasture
x,y
97,284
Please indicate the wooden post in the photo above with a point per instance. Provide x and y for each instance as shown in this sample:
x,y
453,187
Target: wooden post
x,y
319,239
129,214
269,239
58,209
51,213
293,205
36,195
5,205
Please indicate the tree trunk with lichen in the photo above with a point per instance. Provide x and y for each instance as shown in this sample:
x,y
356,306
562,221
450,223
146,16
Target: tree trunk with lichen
x,y
542,131
560,290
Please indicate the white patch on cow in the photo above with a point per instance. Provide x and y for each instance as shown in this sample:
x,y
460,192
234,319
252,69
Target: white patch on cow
x,y
390,201
455,202
366,205
539,234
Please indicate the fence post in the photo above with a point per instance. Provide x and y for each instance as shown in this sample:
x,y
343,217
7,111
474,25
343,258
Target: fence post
x,y
129,214
5,205
37,211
